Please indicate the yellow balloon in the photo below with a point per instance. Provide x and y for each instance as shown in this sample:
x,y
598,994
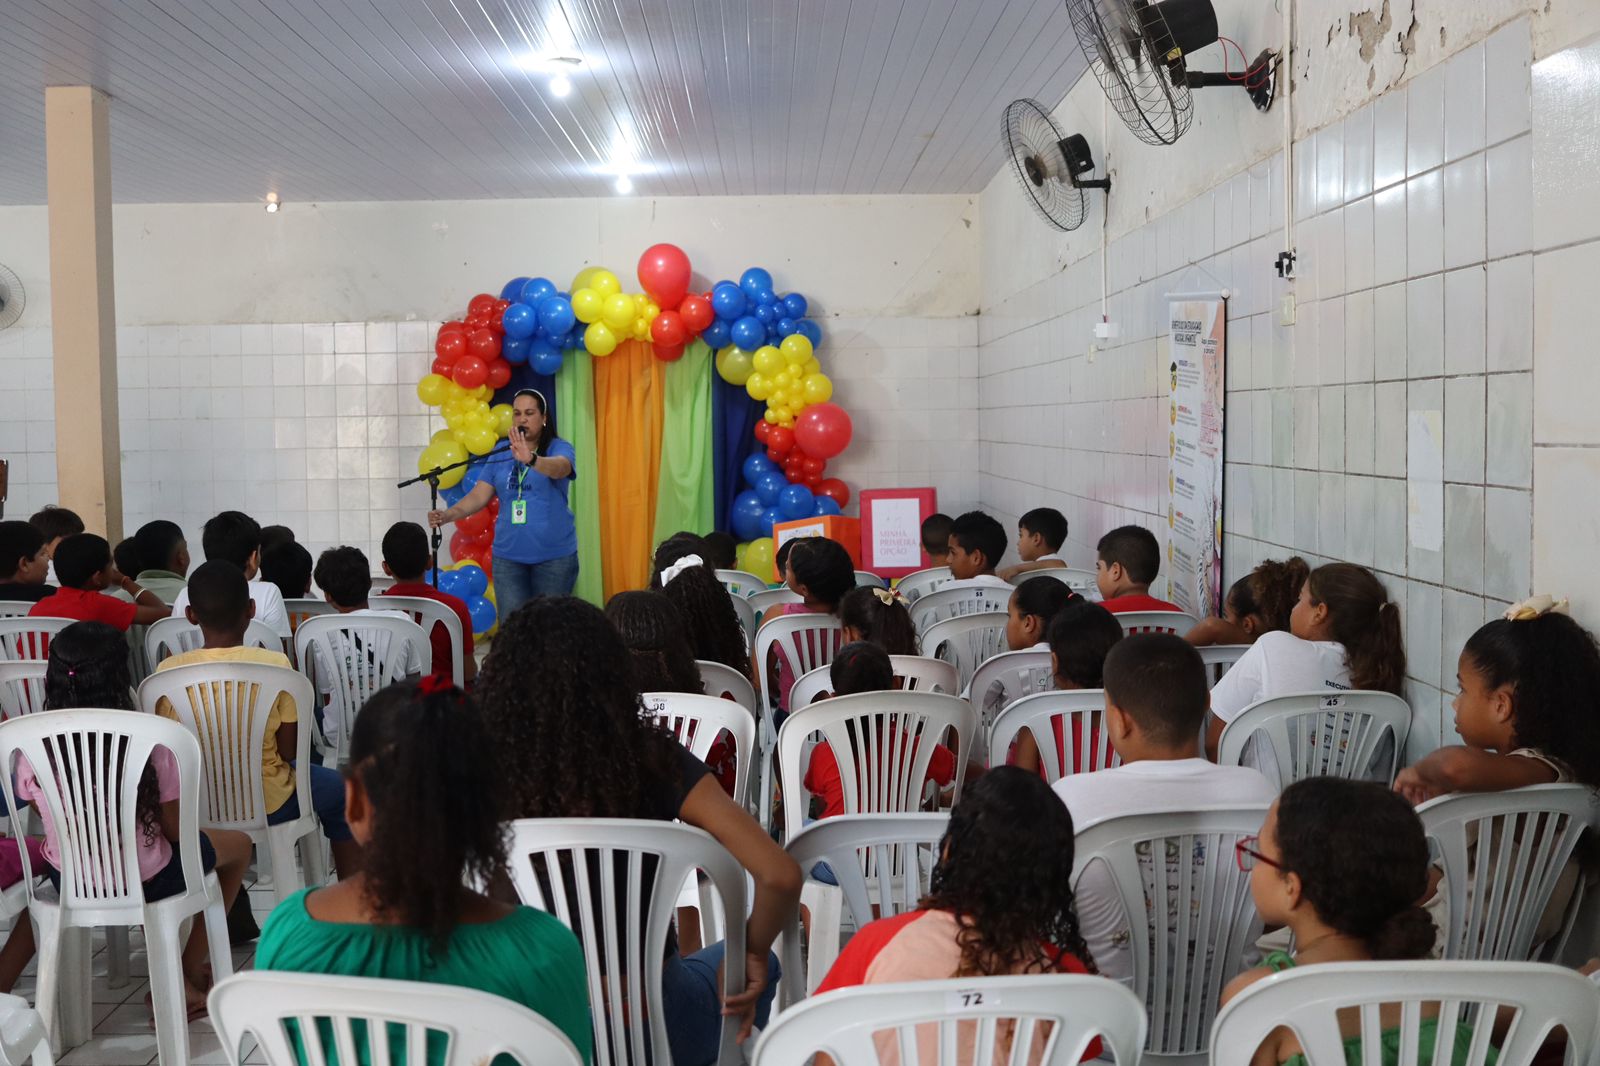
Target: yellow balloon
x,y
604,282
778,398
818,388
456,419
813,366
488,593
581,281
482,392
480,440
599,340
641,329
767,359
587,305
464,563
443,434
758,386
651,309
432,389
790,376
771,416
758,555
734,365
502,418
440,454
454,392
794,408
618,312
787,421
796,348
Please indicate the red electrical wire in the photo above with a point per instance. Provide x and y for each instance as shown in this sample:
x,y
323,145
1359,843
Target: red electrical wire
x,y
1248,74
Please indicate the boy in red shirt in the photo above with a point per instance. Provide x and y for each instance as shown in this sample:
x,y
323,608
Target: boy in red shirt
x,y
1130,559
405,558
84,568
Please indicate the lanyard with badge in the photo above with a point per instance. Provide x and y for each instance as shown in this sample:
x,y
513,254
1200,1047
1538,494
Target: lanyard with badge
x,y
519,506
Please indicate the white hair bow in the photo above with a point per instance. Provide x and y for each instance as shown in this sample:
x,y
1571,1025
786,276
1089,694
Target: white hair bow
x,y
1535,607
679,567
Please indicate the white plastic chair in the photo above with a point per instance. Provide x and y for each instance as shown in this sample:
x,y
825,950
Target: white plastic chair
x,y
1307,1001
23,1035
1082,582
966,641
475,1026
29,638
171,636
882,742
1085,742
1219,659
765,600
366,653
299,610
861,849
380,582
697,720
965,1020
582,870
1136,622
15,608
867,579
807,641
226,705
741,583
747,616
429,613
22,687
958,602
1192,943
1320,734
107,751
921,582
723,680
1502,854
917,673
1002,680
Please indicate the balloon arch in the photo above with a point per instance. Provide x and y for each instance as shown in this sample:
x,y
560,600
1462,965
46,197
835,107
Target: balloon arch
x,y
662,442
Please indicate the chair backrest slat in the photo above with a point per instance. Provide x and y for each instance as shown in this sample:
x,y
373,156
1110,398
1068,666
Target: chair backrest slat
x,y
958,602
698,720
170,636
1074,716
1353,734
1134,622
29,637
741,583
363,654
429,613
967,641
22,687
727,683
921,582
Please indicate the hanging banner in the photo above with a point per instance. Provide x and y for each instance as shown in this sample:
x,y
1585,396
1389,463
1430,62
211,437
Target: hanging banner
x,y
1198,347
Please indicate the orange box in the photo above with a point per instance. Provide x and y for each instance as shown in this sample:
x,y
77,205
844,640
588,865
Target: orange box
x,y
841,528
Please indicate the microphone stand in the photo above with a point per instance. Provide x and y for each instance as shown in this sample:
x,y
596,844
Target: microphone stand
x,y
432,478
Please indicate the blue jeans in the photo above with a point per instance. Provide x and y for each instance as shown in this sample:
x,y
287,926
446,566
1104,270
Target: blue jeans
x,y
517,583
327,799
693,1000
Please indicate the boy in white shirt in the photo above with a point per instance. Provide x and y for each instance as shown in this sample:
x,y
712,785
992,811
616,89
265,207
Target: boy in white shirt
x,y
1040,534
1156,703
235,537
977,541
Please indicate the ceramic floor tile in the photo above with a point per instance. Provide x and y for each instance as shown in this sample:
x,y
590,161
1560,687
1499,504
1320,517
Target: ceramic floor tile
x,y
119,1050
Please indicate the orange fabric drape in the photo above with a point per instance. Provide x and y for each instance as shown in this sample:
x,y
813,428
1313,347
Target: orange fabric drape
x,y
628,392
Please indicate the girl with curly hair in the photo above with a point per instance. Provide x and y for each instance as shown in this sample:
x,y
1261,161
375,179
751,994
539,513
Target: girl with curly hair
x,y
711,625
879,617
420,792
567,721
1260,602
973,923
652,628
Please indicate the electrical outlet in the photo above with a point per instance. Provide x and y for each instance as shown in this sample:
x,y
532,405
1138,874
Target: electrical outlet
x,y
1286,310
1106,330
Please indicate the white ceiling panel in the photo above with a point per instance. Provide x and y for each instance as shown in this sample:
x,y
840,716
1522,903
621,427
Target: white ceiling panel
x,y
320,100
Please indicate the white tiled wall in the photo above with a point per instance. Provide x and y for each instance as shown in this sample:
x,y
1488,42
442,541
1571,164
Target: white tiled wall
x,y
1415,293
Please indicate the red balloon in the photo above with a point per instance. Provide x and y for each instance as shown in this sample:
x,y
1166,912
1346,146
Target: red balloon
x,y
494,506
481,304
464,545
775,455
794,469
796,476
668,353
443,366
454,326
485,344
780,439
813,480
835,490
450,345
470,372
667,328
813,465
763,430
475,525
823,430
664,273
499,374
696,312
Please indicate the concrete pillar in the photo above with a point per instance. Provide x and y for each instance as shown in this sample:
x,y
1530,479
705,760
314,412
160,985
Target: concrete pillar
x,y
83,311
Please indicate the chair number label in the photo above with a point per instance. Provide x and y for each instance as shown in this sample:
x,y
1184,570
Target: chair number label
x,y
970,999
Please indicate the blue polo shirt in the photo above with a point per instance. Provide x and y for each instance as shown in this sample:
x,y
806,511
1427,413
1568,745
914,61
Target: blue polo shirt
x,y
549,533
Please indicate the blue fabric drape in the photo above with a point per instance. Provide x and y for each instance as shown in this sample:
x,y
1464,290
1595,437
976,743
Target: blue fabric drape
x,y
733,421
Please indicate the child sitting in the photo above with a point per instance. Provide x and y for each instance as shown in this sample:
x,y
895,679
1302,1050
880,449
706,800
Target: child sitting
x,y
1343,633
1527,683
84,567
405,558
89,668
24,561
55,524
287,566
879,617
723,548
1040,534
423,803
711,625
977,542
936,539
1031,608
1342,864
220,604
1155,707
235,537
1260,602
164,557
1129,558
659,654
1081,635
820,572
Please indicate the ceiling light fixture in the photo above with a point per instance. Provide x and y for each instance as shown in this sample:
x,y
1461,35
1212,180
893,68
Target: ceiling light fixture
x,y
560,86
624,184
272,203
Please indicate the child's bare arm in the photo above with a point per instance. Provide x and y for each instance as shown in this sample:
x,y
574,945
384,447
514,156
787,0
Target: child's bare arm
x,y
1459,768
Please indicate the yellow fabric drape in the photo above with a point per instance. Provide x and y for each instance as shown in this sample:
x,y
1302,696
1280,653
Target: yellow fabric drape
x,y
628,393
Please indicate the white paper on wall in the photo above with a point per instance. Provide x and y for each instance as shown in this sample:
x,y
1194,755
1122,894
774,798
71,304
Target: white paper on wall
x,y
896,533
1197,343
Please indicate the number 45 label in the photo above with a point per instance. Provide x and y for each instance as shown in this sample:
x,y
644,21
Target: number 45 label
x,y
970,999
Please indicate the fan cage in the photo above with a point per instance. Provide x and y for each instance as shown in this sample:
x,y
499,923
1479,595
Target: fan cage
x,y
1121,39
1031,135
12,298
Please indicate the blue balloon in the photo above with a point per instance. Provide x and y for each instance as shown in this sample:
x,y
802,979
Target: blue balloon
x,y
769,298
547,363
810,331
774,334
519,321
749,333
555,315
755,465
763,312
717,335
514,350
769,487
536,291
795,305
746,515
787,326
754,281
727,300
477,582
512,290
482,612
827,505
454,582
795,501
769,518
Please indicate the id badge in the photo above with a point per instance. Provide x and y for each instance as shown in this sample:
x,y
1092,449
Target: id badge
x,y
519,512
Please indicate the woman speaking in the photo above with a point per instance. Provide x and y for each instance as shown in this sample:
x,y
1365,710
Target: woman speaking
x,y
535,541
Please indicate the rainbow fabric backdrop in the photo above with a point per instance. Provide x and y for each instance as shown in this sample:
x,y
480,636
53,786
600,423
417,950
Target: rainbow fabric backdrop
x,y
663,443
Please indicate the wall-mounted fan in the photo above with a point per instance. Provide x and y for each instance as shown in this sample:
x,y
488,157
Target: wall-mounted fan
x,y
11,297
1052,167
1137,49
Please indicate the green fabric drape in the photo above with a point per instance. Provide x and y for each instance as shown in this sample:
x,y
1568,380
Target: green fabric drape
x,y
575,412
685,496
